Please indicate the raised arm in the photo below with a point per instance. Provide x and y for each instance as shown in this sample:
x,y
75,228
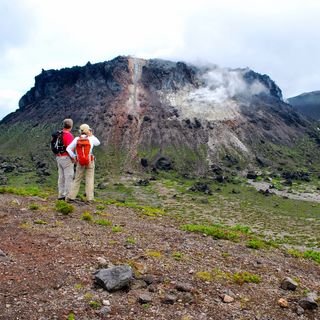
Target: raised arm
x,y
95,141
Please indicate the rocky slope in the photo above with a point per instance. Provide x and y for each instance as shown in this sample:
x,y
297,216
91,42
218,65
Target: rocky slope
x,y
308,104
47,261
193,117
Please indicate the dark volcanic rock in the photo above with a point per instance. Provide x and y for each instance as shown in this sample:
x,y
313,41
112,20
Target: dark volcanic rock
x,y
164,164
142,183
308,303
102,185
114,278
201,187
144,162
296,175
252,175
289,284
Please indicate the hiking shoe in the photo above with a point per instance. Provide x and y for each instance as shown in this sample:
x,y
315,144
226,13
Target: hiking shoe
x,y
71,200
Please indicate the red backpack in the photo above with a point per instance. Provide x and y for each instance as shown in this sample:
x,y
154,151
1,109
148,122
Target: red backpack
x,y
83,151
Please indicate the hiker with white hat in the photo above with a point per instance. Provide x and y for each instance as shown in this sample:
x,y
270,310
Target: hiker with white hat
x,y
80,150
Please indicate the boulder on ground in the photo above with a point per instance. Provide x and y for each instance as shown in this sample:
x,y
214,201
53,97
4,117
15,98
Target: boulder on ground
x,y
201,187
114,278
164,164
309,302
289,284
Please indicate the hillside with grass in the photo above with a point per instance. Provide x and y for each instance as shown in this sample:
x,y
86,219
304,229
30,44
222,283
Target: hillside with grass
x,y
220,251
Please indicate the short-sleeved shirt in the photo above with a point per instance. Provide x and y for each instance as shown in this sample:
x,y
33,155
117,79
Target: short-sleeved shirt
x,y
67,139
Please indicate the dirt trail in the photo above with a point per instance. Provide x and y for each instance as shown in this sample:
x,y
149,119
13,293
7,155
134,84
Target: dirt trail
x,y
48,270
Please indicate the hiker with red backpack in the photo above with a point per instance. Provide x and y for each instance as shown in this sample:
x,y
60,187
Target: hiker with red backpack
x,y
60,140
80,150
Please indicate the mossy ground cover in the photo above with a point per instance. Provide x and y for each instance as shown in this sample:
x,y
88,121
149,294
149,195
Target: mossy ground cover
x,y
235,203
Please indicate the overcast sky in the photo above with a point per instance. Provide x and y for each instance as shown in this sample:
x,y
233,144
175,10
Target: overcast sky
x,y
278,37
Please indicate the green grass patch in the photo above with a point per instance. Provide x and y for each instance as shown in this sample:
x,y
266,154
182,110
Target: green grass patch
x,y
117,229
145,210
71,316
103,222
94,304
154,254
78,286
245,277
295,253
204,275
131,240
39,221
309,254
64,207
177,256
34,206
256,244
313,255
216,231
100,207
28,191
243,229
86,216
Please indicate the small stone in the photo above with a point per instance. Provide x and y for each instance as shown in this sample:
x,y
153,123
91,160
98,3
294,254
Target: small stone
x,y
102,262
186,297
169,299
102,185
299,311
289,284
152,288
149,279
145,298
227,299
105,310
184,287
283,303
106,302
191,271
138,284
230,293
308,303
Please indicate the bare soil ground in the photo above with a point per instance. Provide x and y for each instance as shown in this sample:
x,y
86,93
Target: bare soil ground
x,y
48,270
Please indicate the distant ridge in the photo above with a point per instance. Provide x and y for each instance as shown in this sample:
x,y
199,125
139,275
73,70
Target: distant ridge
x,y
307,103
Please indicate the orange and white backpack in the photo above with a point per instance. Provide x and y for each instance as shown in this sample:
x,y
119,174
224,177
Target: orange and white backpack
x,y
83,148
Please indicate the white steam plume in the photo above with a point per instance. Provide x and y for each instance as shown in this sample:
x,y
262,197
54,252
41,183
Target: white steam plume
x,y
224,84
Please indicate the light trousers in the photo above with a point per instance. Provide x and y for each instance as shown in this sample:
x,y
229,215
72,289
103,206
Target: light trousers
x,y
65,172
88,172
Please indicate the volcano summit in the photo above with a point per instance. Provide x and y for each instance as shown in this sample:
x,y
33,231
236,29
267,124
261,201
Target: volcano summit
x,y
193,118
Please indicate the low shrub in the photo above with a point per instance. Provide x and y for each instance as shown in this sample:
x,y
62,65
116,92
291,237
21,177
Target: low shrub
x,y
64,207
245,277
86,216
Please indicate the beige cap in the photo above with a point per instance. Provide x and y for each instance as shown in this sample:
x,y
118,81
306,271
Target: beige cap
x,y
85,128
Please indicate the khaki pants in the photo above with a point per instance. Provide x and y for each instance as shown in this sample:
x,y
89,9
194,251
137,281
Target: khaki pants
x,y
65,172
88,172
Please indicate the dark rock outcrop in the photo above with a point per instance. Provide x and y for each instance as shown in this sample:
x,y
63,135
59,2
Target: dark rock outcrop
x,y
169,112
114,278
